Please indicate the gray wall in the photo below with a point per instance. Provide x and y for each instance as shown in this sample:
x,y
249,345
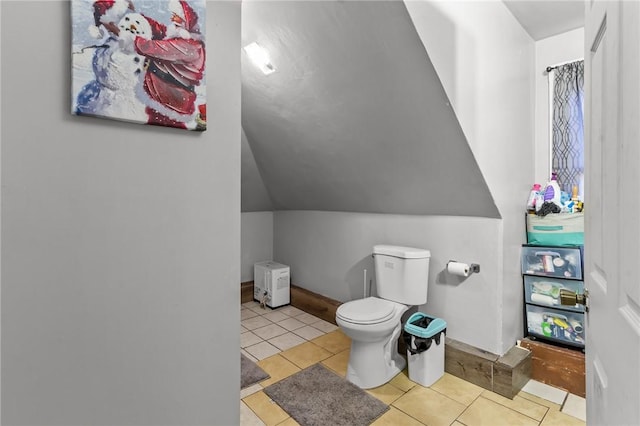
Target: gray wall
x,y
120,243
329,251
257,241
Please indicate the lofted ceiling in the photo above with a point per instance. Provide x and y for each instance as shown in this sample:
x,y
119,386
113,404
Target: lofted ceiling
x,y
355,117
546,18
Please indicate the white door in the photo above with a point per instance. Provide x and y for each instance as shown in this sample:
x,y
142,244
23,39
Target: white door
x,y
612,211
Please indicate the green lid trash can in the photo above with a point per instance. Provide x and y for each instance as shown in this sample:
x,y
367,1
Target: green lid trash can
x,y
424,336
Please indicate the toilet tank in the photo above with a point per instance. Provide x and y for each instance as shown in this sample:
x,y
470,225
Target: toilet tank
x,y
402,273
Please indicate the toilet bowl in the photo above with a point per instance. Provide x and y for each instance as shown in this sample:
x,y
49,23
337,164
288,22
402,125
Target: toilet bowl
x,y
374,326
374,323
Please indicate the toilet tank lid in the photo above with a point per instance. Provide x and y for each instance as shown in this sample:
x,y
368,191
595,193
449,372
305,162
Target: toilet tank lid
x,y
401,252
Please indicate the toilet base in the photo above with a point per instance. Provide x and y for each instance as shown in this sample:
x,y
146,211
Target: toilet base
x,y
372,364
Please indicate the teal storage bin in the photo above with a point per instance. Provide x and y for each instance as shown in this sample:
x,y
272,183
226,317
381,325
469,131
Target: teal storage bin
x,y
556,229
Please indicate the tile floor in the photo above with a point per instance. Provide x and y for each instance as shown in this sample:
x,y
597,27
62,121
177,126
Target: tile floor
x,y
286,340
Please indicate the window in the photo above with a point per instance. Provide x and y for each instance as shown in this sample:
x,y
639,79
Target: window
x,y
567,126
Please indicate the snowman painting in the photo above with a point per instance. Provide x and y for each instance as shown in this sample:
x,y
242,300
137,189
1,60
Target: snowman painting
x,y
109,70
106,14
175,71
118,70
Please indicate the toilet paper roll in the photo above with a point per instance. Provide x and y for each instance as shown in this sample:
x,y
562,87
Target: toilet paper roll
x,y
458,268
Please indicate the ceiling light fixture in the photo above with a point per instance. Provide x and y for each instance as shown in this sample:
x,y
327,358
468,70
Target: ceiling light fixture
x,y
260,57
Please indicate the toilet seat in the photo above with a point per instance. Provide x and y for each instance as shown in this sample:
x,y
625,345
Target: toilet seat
x,y
366,311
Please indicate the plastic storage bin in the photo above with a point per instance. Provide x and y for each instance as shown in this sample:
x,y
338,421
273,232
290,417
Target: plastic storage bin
x,y
424,336
558,262
556,325
545,291
556,229
546,271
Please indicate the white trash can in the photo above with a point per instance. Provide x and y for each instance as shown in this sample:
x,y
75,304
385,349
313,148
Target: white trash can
x,y
424,336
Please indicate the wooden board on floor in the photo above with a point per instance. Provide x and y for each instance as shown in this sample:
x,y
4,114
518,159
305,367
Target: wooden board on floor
x,y
469,363
512,371
557,366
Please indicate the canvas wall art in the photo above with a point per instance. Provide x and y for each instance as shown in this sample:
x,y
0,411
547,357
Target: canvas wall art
x,y
140,61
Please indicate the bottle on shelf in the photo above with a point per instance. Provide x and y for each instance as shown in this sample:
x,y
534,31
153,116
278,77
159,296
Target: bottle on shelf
x,y
531,203
574,193
552,193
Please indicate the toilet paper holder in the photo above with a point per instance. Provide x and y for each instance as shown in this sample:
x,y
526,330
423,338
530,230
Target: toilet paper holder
x,y
473,267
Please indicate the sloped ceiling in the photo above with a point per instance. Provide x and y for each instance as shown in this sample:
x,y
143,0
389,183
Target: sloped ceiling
x,y
355,117
254,197
546,18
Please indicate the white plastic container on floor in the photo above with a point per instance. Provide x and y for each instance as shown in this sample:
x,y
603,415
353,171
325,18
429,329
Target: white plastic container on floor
x,y
427,367
425,339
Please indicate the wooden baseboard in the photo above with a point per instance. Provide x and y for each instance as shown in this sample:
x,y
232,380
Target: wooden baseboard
x,y
556,366
315,304
246,291
308,301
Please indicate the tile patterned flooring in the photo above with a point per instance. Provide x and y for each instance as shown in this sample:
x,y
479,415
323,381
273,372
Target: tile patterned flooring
x,y
286,340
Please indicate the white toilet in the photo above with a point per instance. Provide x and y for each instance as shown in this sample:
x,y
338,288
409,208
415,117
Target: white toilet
x,y
373,323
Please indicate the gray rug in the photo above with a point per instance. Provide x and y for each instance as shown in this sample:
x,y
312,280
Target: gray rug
x,y
317,396
250,372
